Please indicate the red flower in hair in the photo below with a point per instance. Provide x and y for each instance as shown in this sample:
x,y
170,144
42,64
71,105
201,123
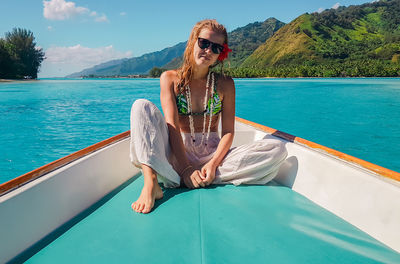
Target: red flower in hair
x,y
224,54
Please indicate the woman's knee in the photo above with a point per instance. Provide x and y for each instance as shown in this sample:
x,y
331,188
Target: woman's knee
x,y
141,105
276,148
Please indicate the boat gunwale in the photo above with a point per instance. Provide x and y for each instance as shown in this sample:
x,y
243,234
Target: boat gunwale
x,y
41,171
54,165
374,168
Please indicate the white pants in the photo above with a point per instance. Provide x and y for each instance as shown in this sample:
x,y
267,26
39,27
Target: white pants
x,y
254,163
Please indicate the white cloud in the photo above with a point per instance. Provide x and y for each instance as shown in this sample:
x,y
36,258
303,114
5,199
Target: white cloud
x,y
61,61
122,13
101,18
63,10
84,56
50,28
336,6
320,10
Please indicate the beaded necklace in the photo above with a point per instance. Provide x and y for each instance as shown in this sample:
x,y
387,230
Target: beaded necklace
x,y
189,104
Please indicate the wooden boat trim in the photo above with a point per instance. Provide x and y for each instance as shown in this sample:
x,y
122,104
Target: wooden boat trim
x,y
364,164
32,175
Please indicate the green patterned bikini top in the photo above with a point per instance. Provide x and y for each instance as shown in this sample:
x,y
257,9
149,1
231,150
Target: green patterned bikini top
x,y
181,103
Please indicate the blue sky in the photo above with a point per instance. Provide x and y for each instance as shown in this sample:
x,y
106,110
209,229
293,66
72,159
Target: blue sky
x,y
81,33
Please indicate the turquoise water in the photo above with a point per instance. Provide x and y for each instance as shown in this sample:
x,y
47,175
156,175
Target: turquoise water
x,y
45,120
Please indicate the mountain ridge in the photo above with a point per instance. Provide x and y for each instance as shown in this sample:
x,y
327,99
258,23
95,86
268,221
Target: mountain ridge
x,y
243,40
135,65
360,36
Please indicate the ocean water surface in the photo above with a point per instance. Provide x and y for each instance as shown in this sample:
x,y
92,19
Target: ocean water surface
x,y
44,120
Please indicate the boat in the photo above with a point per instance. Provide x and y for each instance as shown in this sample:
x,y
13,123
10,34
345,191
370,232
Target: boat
x,y
323,206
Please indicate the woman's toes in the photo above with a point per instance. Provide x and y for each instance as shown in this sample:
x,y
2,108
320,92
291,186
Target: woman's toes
x,y
141,207
136,207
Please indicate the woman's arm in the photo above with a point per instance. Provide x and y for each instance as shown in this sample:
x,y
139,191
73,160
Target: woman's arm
x,y
191,178
168,104
228,129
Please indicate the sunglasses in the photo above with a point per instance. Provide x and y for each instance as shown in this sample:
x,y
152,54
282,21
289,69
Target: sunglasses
x,y
205,43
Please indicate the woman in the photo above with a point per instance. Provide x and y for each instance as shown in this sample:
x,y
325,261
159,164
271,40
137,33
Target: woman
x,y
184,146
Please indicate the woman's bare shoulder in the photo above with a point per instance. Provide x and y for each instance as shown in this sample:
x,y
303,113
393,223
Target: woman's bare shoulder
x,y
170,75
168,80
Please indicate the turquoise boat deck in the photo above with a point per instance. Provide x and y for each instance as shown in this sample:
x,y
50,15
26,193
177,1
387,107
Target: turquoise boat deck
x,y
220,224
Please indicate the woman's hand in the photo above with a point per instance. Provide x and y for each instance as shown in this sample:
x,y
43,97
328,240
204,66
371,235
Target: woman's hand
x,y
208,170
193,179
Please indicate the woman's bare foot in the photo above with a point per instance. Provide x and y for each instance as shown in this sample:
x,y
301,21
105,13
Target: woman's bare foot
x,y
151,191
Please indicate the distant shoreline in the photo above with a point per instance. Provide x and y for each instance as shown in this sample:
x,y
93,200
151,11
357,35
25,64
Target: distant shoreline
x,y
17,80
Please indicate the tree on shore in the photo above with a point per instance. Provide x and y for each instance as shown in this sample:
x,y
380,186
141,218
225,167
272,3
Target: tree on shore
x,y
156,72
5,61
19,56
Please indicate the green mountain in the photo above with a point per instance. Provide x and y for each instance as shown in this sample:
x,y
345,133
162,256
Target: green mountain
x,y
362,40
98,69
136,65
289,41
245,40
174,63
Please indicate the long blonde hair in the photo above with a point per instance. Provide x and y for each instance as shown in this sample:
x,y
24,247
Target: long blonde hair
x,y
185,72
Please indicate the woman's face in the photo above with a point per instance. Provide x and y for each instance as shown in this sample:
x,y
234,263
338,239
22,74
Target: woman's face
x,y
206,57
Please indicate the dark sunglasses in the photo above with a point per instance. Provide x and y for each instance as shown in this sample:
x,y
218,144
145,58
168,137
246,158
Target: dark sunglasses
x,y
205,43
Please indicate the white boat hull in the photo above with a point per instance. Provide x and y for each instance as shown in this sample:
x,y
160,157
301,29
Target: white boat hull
x,y
359,195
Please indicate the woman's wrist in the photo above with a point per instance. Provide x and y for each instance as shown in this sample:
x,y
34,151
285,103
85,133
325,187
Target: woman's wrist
x,y
213,163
